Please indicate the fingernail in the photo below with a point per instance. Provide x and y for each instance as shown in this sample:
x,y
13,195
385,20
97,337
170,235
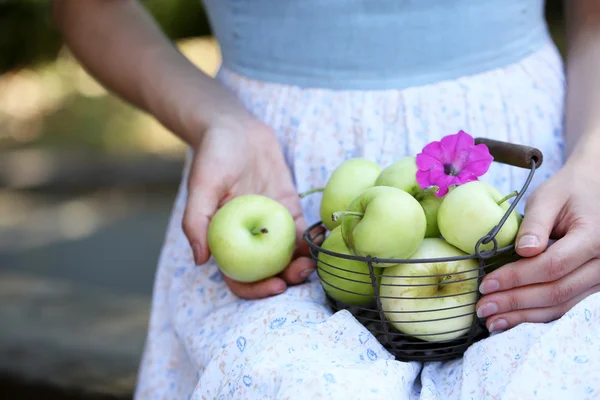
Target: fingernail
x,y
528,241
498,325
489,286
487,309
306,273
197,250
279,288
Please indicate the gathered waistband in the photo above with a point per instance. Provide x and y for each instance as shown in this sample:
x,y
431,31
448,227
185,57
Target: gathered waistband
x,y
358,44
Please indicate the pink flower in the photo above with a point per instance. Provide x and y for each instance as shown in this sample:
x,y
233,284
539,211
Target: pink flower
x,y
454,160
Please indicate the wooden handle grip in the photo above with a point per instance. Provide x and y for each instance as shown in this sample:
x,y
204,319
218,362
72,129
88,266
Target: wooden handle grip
x,y
516,155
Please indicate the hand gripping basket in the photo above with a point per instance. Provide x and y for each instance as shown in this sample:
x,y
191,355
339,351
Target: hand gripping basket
x,y
406,347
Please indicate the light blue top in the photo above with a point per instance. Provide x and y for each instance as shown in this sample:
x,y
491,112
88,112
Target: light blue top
x,y
373,44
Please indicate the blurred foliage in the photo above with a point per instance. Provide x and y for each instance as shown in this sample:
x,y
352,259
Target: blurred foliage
x,y
28,37
58,105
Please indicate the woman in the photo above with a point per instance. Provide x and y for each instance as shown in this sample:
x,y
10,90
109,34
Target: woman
x,y
305,85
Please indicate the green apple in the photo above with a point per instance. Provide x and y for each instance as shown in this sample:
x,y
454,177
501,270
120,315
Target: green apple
x,y
383,222
431,205
252,237
347,181
402,174
448,299
470,211
345,280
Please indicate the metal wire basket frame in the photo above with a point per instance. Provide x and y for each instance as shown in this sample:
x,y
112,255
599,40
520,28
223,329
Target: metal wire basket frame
x,y
411,347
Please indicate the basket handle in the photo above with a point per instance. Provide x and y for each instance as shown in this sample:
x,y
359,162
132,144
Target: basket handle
x,y
516,155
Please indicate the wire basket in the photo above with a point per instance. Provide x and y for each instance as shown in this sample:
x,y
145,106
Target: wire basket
x,y
395,329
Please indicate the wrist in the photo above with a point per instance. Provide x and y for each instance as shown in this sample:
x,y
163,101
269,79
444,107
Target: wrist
x,y
186,100
585,149
226,119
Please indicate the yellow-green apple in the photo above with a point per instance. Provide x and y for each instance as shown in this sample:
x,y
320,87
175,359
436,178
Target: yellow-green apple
x,y
252,237
402,174
345,280
383,222
347,181
470,211
448,299
431,205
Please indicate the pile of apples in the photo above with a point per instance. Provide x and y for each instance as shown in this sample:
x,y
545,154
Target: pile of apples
x,y
383,214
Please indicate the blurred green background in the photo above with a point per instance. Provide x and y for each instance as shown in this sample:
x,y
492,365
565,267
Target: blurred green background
x,y
47,100
86,188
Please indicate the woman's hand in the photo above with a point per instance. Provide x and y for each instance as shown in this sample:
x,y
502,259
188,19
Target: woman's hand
x,y
124,49
238,157
544,285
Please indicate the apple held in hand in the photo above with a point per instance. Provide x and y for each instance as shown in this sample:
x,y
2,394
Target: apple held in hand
x,y
348,180
470,211
450,298
402,175
383,222
252,237
345,280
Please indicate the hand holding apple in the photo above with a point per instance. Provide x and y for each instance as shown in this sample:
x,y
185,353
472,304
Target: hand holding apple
x,y
252,237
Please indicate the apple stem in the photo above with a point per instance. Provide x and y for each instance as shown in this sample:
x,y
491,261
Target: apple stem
x,y
508,196
337,215
258,231
310,191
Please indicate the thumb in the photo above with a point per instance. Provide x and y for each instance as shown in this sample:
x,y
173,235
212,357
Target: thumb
x,y
541,213
201,205
202,202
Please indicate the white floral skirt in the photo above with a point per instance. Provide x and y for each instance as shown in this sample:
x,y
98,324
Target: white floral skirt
x,y
205,343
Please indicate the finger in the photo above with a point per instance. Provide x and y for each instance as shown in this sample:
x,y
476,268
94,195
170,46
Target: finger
x,y
502,322
542,295
290,200
317,235
256,290
566,254
541,213
303,263
202,202
298,270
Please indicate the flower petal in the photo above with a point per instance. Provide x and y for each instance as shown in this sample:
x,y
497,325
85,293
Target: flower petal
x,y
443,181
479,160
467,160
466,176
456,147
442,192
423,179
433,150
425,162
